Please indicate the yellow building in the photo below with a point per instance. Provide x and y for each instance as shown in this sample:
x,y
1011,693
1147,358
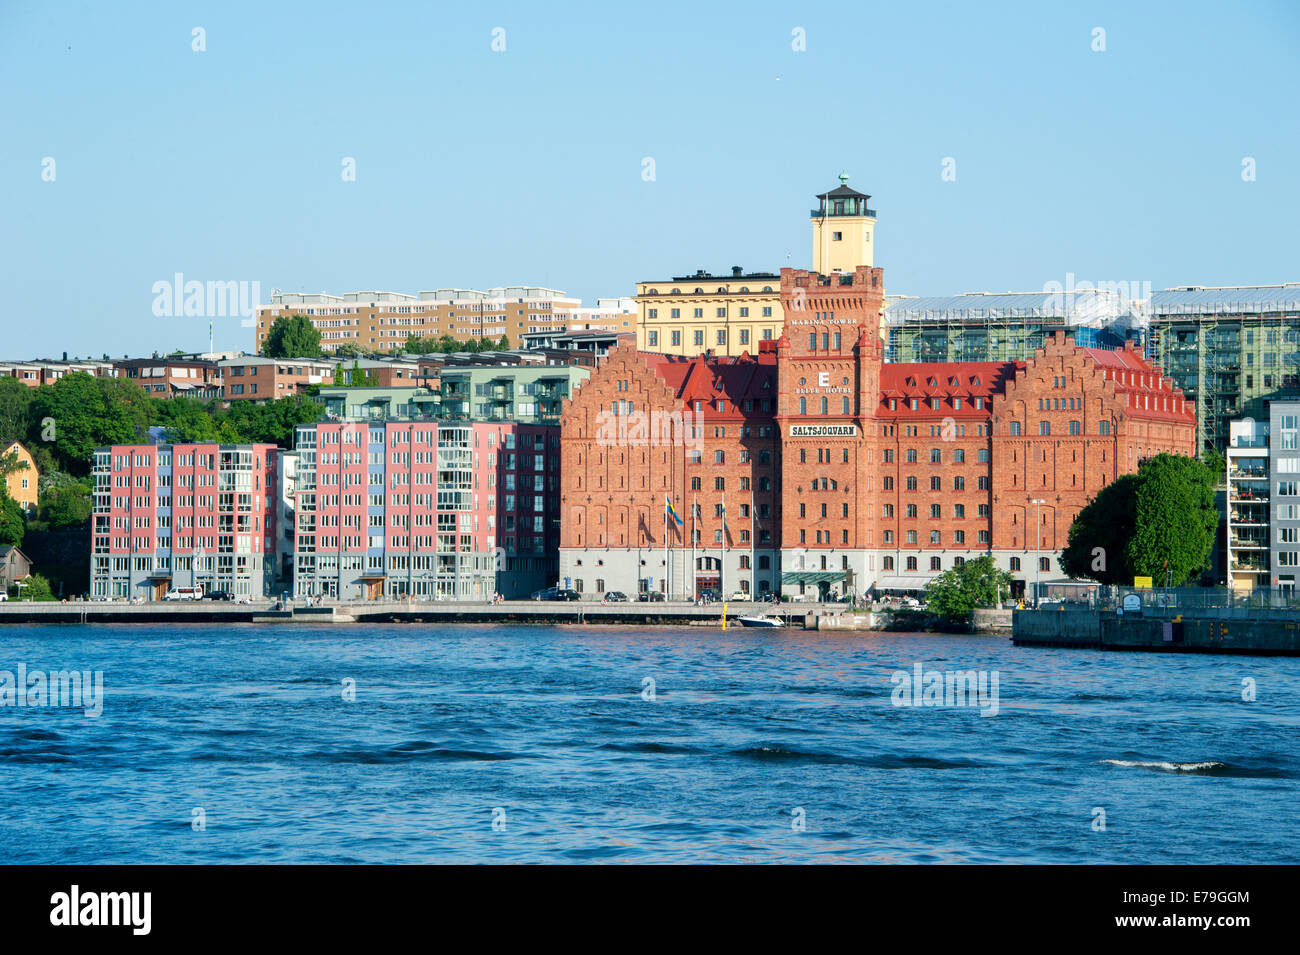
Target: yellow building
x,y
731,314
843,230
692,314
22,483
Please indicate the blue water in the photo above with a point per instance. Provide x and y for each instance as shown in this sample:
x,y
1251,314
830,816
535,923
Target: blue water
x,y
549,724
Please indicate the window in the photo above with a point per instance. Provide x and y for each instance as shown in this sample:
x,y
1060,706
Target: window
x,y
1015,564
1044,563
652,339
1013,428
1074,427
1044,427
934,563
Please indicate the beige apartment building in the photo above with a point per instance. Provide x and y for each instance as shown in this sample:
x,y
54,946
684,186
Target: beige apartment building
x,y
384,320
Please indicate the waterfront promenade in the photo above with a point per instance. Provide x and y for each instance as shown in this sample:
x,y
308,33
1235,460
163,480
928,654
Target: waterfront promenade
x,y
677,613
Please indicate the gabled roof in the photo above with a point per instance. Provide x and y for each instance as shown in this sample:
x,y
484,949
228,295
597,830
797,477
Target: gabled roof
x,y
978,379
703,378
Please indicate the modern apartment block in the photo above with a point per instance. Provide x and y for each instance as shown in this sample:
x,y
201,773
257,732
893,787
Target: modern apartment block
x,y
1231,350
1263,521
385,320
183,515
425,509
1006,326
524,394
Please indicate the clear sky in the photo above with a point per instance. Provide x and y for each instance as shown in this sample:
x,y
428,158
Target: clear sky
x,y
477,167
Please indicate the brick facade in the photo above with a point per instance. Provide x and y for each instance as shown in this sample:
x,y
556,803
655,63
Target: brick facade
x,y
864,473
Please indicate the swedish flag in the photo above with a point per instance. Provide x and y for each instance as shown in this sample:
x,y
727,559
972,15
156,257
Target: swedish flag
x,y
672,513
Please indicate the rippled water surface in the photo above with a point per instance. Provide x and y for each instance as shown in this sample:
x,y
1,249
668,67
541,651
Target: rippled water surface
x,y
748,734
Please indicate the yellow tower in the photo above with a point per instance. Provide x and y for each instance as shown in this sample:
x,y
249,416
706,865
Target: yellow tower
x,y
843,230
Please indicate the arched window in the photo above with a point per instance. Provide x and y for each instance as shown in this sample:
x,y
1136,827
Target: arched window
x,y
911,563
887,563
934,563
824,406
803,405
1103,427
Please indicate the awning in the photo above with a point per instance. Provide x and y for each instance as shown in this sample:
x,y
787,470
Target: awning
x,y
812,576
371,577
159,575
902,583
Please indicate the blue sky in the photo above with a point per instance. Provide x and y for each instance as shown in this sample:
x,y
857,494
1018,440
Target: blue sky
x,y
477,168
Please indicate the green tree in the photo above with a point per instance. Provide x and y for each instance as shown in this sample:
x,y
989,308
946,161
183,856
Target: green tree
x,y
292,336
1175,519
13,525
1162,519
1097,546
66,506
186,420
36,588
272,423
1217,464
86,412
959,590
504,344
15,402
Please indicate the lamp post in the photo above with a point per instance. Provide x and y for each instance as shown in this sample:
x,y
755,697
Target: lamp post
x,y
1038,503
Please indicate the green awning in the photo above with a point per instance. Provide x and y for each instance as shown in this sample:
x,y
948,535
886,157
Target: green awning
x,y
812,576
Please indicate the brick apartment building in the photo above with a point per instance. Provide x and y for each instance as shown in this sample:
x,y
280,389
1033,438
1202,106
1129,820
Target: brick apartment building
x,y
172,377
183,515
427,509
869,474
253,378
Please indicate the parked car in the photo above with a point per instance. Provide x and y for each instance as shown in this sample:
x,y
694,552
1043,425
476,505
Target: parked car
x,y
767,597
184,593
617,597
563,594
741,596
652,596
218,595
547,594
4,595
556,593
798,598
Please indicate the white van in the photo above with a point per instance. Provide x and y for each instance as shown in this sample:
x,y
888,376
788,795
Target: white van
x,y
185,593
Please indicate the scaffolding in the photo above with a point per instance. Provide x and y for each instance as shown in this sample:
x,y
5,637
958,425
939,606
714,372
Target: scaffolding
x,y
1006,326
1231,351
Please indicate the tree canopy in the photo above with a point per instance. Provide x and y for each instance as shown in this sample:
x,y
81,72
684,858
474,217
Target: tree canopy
x,y
292,336
961,589
1163,518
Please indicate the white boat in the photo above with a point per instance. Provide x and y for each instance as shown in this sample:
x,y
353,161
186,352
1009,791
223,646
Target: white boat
x,y
761,620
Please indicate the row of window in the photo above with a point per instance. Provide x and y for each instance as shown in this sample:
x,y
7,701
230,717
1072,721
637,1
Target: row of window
x,y
697,336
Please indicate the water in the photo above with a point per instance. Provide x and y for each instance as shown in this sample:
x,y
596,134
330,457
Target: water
x,y
549,724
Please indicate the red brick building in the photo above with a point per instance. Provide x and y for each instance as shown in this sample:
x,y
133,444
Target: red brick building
x,y
837,470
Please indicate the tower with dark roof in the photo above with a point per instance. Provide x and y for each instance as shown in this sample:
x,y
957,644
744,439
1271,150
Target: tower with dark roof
x,y
843,229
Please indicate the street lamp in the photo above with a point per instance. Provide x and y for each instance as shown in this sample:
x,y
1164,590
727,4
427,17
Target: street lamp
x,y
1038,503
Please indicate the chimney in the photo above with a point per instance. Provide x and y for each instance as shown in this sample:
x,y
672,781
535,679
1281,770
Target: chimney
x,y
737,271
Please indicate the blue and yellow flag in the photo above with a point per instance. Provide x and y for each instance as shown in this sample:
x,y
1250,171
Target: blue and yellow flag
x,y
672,513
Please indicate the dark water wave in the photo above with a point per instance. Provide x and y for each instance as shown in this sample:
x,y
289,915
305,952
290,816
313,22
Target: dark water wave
x,y
755,747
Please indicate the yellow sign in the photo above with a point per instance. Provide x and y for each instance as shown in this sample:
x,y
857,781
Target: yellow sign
x,y
1142,582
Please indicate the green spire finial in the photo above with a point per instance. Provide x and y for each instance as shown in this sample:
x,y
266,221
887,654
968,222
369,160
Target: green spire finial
x,y
844,179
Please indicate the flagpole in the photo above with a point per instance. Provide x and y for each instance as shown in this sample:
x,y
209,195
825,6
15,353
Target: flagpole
x,y
668,589
753,580
691,573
